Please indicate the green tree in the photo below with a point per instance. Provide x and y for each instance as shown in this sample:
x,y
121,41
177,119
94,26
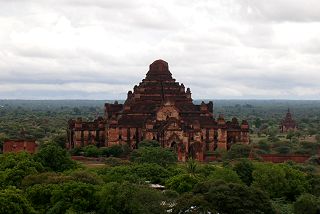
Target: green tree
x,y
14,167
86,177
193,204
60,139
54,157
73,197
126,198
12,201
239,150
314,184
234,198
244,169
225,174
181,183
136,173
158,155
40,196
279,180
270,178
290,135
307,204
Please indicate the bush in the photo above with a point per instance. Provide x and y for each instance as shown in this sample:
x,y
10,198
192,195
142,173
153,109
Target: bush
x,y
115,151
148,143
264,145
283,149
315,159
112,161
91,151
76,151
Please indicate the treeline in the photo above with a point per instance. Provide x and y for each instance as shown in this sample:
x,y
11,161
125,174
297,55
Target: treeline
x,y
50,182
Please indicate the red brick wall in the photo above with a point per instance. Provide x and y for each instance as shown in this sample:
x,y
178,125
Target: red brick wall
x,y
19,146
275,158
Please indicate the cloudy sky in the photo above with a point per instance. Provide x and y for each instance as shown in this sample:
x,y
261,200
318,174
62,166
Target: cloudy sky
x,y
99,49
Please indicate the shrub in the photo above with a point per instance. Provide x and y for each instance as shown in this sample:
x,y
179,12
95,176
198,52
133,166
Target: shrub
x,y
91,151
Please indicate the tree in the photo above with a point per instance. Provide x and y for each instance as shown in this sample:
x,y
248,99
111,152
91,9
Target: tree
x,y
269,178
40,196
307,204
76,197
125,198
225,174
158,155
14,167
181,183
193,204
239,150
86,177
244,169
234,198
290,135
54,157
60,139
12,201
136,173
279,180
264,145
314,187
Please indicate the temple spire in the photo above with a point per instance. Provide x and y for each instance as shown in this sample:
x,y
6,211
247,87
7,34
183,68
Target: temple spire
x,y
159,71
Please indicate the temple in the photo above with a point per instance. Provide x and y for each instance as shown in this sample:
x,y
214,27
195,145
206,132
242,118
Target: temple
x,y
15,146
161,109
288,124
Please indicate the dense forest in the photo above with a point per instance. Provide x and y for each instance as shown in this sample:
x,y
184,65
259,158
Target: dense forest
x,y
149,179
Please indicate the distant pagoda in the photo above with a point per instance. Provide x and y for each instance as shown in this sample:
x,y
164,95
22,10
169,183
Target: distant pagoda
x,y
288,124
160,109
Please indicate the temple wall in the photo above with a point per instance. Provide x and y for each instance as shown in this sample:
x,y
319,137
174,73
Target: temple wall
x,y
222,139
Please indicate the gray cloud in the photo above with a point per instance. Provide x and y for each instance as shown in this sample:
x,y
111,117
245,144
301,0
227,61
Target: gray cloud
x,y
101,49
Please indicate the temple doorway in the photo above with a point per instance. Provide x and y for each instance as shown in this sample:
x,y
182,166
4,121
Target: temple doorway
x,y
174,146
194,150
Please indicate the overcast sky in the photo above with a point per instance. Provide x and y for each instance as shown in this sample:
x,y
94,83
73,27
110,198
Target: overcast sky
x,y
99,49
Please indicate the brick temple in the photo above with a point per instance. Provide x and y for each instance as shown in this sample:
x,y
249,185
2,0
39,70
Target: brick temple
x,y
288,124
161,109
15,146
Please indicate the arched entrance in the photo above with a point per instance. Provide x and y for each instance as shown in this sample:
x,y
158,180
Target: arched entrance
x,y
174,146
